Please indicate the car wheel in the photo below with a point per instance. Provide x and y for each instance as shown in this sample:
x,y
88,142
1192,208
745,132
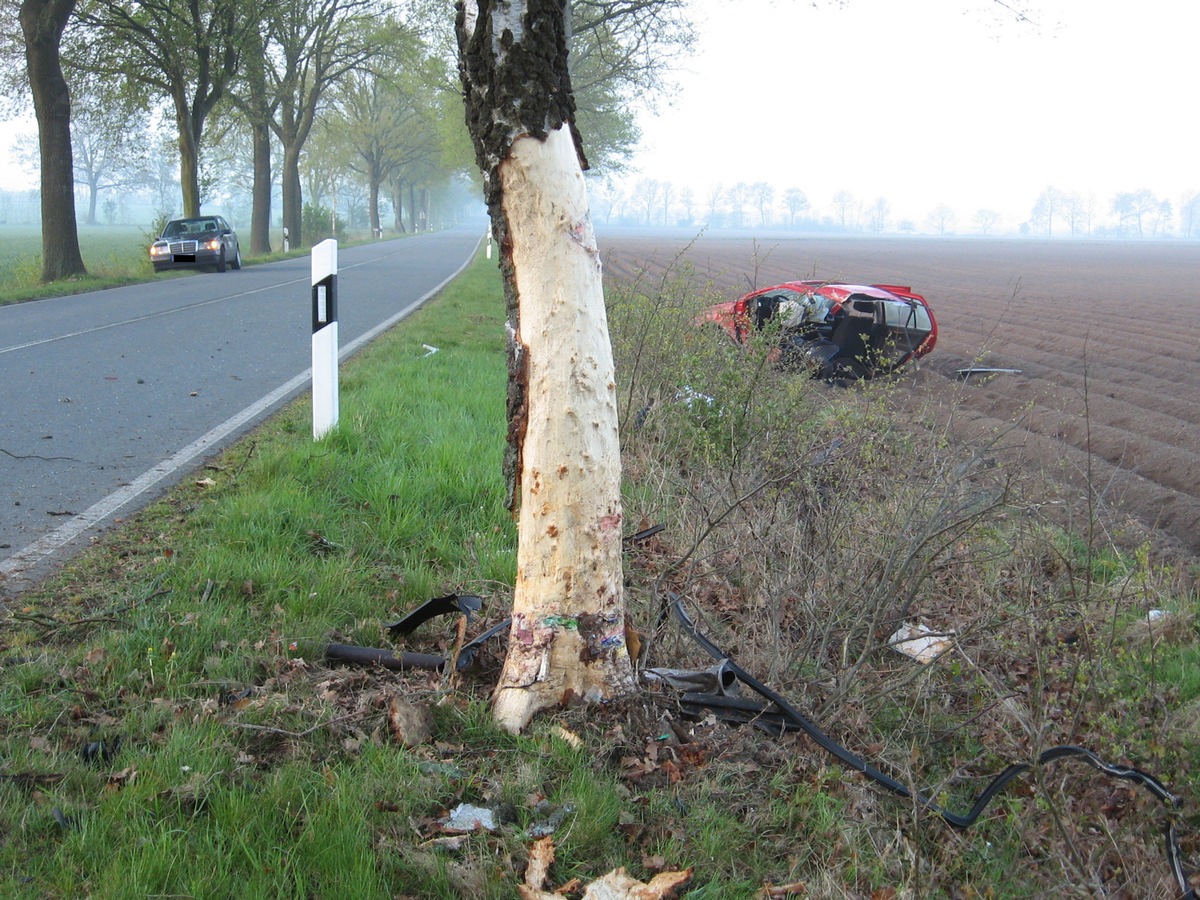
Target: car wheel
x,y
237,259
221,261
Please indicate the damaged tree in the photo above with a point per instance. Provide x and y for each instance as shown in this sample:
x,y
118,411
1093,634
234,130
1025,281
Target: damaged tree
x,y
567,640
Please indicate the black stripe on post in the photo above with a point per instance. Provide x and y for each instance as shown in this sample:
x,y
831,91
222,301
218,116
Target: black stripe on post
x,y
324,302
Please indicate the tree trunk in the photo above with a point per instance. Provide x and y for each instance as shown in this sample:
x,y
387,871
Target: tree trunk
x,y
260,210
567,641
42,22
189,165
373,203
93,193
292,196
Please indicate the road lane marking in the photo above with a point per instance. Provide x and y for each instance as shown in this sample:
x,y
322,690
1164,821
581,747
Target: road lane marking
x,y
198,305
43,547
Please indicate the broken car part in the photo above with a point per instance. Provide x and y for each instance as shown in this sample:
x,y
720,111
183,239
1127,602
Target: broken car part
x,y
985,370
795,719
388,659
716,679
467,604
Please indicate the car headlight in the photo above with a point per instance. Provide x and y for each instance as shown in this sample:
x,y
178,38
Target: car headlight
x,y
160,249
214,244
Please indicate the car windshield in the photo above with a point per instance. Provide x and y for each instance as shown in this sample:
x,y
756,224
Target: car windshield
x,y
181,227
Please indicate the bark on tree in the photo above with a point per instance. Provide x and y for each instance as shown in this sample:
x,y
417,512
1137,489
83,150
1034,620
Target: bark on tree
x,y
568,635
258,111
42,22
260,209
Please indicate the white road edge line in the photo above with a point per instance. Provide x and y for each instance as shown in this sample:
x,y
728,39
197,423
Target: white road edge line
x,y
47,544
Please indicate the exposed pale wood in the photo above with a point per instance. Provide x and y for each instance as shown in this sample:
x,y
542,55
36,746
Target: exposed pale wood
x,y
567,638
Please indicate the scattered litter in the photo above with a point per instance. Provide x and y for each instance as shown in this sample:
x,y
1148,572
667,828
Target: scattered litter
x,y
429,350
793,718
690,397
986,370
644,535
65,822
716,679
101,751
467,654
467,604
448,842
467,818
920,642
235,698
554,816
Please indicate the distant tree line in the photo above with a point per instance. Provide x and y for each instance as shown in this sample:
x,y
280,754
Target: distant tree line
x,y
651,202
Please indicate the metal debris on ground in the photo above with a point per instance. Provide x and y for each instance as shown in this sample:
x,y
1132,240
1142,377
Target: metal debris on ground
x,y
716,679
985,370
791,718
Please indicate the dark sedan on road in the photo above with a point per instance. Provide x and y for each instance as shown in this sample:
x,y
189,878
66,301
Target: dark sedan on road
x,y
197,241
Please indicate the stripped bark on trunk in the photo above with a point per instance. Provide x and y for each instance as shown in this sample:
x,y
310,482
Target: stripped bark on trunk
x,y
567,641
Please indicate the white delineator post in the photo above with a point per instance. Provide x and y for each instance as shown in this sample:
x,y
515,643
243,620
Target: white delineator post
x,y
324,338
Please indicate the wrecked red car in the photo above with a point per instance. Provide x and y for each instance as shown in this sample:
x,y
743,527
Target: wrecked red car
x,y
833,330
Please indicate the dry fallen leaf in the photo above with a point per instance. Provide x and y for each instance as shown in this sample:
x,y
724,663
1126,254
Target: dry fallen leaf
x,y
572,739
205,482
782,891
620,885
412,723
541,855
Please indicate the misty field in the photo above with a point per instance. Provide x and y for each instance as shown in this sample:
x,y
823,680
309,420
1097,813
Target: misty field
x,y
1104,334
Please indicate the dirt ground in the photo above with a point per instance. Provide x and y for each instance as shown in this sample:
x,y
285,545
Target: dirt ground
x,y
1105,335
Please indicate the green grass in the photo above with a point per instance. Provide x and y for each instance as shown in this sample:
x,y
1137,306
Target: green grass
x,y
168,725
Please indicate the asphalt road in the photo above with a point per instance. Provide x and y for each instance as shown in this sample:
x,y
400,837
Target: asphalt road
x,y
108,398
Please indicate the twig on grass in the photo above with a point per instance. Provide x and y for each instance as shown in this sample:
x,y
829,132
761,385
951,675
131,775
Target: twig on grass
x,y
270,729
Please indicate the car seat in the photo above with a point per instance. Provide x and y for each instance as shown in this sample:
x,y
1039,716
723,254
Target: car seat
x,y
852,335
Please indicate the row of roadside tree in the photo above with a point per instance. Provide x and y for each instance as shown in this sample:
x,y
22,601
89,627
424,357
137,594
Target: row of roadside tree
x,y
280,95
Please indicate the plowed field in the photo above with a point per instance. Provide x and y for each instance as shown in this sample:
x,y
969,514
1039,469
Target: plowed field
x,y
1105,334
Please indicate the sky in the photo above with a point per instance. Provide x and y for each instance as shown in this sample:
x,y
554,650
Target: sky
x,y
931,102
923,103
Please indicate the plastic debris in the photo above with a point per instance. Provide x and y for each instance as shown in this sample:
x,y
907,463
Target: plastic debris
x,y
466,604
466,818
920,642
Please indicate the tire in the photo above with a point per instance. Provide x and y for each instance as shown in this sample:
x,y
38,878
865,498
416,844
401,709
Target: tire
x,y
237,259
221,261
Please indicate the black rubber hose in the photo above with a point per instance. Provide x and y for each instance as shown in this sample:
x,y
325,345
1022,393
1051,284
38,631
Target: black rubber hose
x,y
997,784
